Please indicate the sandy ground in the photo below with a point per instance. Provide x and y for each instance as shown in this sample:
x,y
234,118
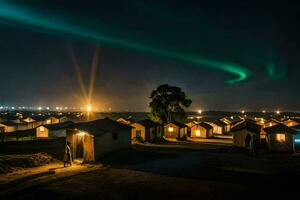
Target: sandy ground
x,y
204,171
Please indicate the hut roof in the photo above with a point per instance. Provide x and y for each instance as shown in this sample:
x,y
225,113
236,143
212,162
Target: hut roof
x,y
39,117
148,123
8,117
293,119
279,128
59,125
101,126
204,125
11,123
272,120
220,123
249,125
179,124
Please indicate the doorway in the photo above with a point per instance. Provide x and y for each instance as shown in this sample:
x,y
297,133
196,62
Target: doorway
x,y
79,147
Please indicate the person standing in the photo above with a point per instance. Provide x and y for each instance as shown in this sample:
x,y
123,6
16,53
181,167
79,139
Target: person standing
x,y
68,156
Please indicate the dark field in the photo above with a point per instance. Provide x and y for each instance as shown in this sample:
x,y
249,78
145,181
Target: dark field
x,y
209,172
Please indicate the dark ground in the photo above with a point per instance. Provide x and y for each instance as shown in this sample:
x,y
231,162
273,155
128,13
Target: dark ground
x,y
212,172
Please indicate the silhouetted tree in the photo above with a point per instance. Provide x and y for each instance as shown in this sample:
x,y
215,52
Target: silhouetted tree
x,y
168,103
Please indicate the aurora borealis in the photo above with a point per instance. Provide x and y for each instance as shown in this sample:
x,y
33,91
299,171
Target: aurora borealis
x,y
204,44
54,22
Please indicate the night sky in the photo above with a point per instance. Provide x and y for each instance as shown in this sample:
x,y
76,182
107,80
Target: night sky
x,y
226,56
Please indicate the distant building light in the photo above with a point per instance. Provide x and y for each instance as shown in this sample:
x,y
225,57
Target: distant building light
x,y
42,129
263,111
199,111
231,117
170,129
242,111
40,108
280,137
47,108
277,112
198,133
13,108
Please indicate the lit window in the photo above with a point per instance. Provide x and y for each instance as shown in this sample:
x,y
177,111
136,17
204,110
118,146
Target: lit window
x,y
48,121
291,124
197,133
42,129
271,124
280,137
170,129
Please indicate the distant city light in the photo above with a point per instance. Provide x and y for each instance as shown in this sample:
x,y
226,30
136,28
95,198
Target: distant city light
x,y
39,108
231,117
263,111
47,108
12,108
243,111
277,112
199,111
89,108
1,107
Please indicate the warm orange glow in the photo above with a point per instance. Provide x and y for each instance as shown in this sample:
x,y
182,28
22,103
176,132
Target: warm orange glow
x,y
42,129
81,133
277,112
170,129
198,133
280,137
89,108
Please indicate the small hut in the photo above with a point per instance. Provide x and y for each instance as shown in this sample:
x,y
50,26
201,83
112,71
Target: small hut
x,y
175,130
189,127
280,138
220,127
53,130
201,130
147,130
291,122
9,126
270,123
244,132
90,140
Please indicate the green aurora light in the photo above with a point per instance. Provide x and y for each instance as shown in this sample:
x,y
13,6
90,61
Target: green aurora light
x,y
58,23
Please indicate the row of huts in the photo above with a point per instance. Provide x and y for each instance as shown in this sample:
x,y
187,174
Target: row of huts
x,y
147,130
279,135
20,123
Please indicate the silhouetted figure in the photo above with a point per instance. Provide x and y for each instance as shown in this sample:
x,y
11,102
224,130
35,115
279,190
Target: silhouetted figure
x,y
68,156
255,145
